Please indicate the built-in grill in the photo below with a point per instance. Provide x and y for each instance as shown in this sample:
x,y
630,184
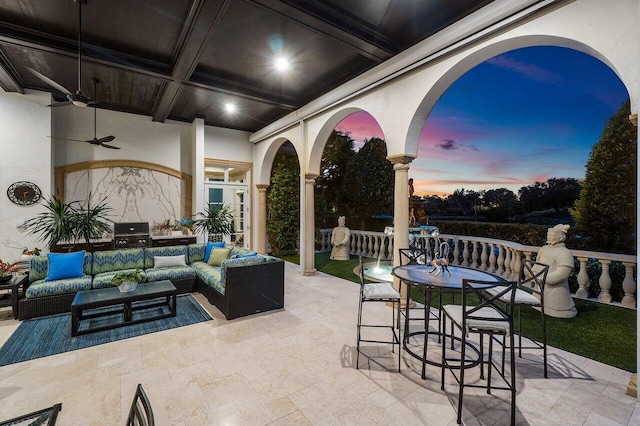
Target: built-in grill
x,y
131,234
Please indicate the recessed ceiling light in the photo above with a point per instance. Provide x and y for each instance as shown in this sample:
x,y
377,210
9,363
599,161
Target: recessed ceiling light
x,y
282,64
229,107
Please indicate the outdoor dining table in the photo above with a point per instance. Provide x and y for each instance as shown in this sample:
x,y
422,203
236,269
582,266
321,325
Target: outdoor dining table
x,y
424,277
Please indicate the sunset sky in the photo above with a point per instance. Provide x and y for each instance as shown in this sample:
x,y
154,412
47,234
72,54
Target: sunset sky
x,y
524,116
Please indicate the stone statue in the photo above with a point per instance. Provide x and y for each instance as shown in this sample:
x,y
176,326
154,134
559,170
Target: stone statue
x,y
557,297
340,241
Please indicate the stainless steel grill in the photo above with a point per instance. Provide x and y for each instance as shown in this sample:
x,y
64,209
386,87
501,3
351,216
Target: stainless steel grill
x,y
131,234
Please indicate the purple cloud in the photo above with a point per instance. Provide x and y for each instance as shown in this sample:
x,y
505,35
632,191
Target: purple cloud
x,y
451,145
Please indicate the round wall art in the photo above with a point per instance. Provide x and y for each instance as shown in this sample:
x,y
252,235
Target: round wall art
x,y
24,193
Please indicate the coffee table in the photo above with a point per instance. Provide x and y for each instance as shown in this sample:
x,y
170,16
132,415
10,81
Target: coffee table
x,y
111,296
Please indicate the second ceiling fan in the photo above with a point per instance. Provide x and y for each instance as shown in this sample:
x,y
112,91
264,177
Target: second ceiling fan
x,y
95,140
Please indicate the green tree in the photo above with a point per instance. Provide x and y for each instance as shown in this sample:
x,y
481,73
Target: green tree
x,y
368,183
283,205
605,213
328,188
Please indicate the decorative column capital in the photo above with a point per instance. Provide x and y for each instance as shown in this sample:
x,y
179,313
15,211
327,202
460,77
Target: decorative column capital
x,y
310,177
634,119
400,159
400,167
262,186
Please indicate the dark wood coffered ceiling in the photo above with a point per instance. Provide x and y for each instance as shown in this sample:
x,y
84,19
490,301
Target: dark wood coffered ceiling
x,y
181,59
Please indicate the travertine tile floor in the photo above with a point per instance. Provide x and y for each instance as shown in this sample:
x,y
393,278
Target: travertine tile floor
x,y
296,367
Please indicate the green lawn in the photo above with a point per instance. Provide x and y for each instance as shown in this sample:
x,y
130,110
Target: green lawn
x,y
601,332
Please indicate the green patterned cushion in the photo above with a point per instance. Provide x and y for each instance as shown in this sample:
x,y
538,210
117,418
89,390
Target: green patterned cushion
x,y
43,288
241,261
38,266
149,253
117,260
238,250
211,275
196,252
103,279
173,273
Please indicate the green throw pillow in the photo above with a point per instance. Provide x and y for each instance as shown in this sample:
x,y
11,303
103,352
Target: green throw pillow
x,y
218,255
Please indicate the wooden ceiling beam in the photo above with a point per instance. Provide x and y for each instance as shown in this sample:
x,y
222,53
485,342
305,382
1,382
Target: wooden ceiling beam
x,y
196,32
378,52
8,76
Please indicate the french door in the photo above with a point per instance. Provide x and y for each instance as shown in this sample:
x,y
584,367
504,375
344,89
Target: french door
x,y
237,197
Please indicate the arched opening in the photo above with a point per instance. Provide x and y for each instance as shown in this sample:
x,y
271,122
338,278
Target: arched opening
x,y
355,179
283,202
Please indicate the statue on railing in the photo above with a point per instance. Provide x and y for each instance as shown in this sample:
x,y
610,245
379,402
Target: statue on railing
x,y
557,297
340,241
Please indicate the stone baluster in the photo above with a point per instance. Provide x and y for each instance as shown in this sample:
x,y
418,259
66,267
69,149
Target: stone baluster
x,y
517,266
465,253
605,282
391,247
456,252
629,286
484,257
583,279
377,243
507,262
492,258
370,244
500,269
474,255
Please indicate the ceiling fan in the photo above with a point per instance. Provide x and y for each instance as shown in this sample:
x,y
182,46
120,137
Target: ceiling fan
x,y
78,98
95,140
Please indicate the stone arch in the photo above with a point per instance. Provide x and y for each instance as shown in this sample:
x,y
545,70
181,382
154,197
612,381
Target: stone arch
x,y
467,63
266,165
319,142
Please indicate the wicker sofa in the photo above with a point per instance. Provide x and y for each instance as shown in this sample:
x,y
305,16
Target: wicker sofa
x,y
239,287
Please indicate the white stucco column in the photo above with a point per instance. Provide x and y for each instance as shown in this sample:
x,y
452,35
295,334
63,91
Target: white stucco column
x,y
197,188
310,224
400,210
262,218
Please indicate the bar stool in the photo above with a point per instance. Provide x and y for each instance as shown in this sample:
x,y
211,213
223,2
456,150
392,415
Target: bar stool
x,y
530,292
378,292
490,317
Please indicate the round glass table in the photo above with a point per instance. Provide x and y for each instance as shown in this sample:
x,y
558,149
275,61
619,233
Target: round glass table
x,y
424,277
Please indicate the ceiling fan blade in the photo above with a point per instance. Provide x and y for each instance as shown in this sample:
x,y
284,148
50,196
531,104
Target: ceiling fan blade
x,y
50,82
59,104
65,139
107,139
109,146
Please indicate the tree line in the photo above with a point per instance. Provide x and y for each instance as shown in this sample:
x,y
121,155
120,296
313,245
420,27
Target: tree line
x,y
359,185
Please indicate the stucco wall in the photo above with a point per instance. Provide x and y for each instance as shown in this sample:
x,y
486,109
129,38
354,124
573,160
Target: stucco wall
x,y
26,155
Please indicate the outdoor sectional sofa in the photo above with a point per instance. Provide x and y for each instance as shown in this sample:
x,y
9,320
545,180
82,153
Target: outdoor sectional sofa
x,y
240,286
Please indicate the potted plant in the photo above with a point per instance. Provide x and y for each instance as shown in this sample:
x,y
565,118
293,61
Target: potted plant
x,y
216,222
128,281
69,222
8,269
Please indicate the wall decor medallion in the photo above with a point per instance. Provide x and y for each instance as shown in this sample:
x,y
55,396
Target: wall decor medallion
x,y
24,193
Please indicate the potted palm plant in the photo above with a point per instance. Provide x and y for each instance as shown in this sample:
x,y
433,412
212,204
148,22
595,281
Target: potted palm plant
x,y
216,222
69,222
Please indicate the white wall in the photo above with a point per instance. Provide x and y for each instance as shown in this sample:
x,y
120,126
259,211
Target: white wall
x,y
139,138
227,144
26,155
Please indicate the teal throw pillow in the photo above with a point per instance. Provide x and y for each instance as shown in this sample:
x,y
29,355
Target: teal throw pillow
x,y
65,265
210,246
239,256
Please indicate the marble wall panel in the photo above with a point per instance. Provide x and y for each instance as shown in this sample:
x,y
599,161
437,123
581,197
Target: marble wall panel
x,y
134,194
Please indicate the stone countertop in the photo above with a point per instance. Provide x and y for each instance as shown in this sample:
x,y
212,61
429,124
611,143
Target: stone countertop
x,y
164,237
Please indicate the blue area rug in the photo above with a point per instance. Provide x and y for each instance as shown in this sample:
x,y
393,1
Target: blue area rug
x,y
40,337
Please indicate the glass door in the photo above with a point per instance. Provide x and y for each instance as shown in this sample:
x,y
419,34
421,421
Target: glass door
x,y
235,196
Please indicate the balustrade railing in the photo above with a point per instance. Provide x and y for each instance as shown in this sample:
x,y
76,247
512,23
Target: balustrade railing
x,y
504,258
